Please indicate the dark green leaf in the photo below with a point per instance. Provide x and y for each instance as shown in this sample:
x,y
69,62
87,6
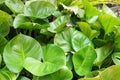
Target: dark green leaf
x,y
3,42
116,58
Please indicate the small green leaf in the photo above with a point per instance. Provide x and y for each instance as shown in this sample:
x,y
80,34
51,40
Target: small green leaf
x,y
116,58
58,24
23,78
39,9
83,60
16,6
102,53
62,74
53,60
24,22
18,49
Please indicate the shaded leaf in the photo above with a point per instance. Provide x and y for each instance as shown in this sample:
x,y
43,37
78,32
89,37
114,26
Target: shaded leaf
x,y
83,60
116,58
18,49
3,42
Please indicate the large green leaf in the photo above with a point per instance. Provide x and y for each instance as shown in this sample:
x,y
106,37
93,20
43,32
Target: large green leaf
x,y
39,9
62,74
17,6
79,40
24,22
86,29
83,60
3,42
4,23
58,24
18,49
109,22
111,73
63,39
53,60
116,58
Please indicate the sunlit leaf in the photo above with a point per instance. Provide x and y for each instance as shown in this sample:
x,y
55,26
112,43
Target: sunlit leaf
x,y
18,49
53,60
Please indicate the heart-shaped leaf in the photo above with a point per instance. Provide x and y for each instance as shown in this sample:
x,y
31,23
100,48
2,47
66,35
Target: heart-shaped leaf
x,y
62,74
53,60
18,49
39,9
83,60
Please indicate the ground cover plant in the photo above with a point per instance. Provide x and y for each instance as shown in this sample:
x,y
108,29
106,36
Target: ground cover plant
x,y
59,40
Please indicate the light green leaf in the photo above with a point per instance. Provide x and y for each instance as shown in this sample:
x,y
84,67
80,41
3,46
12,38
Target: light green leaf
x,y
79,40
4,16
3,42
116,58
24,22
1,1
83,60
109,22
59,24
62,74
111,73
89,9
63,39
102,53
18,49
16,6
69,63
39,9
86,29
23,78
53,60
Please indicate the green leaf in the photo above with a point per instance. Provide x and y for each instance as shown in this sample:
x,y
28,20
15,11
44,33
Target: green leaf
x,y
83,60
86,29
109,22
7,75
62,74
3,42
111,73
4,23
1,1
16,6
69,63
117,42
89,9
39,9
23,78
18,49
24,22
59,24
116,58
102,53
63,39
53,60
79,40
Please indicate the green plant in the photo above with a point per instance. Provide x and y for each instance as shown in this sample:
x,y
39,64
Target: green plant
x,y
59,40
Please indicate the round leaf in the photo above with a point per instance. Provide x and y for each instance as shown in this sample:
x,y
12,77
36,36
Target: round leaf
x,y
83,60
39,9
53,60
18,49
